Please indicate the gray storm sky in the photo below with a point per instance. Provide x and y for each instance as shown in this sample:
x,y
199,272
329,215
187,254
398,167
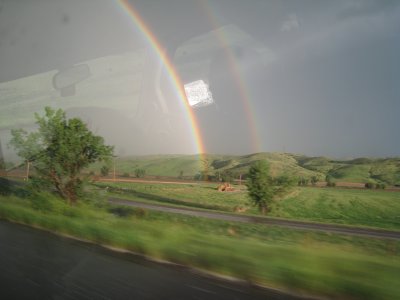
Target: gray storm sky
x,y
323,77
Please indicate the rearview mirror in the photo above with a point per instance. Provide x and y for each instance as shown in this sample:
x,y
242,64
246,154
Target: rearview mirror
x,y
65,80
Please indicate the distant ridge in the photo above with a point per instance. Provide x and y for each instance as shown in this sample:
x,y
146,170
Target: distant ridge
x,y
357,170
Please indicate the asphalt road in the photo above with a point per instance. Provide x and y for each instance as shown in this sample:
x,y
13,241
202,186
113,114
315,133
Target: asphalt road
x,y
300,225
36,264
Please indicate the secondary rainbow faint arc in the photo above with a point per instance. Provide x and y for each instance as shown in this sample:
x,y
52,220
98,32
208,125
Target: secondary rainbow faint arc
x,y
239,80
141,25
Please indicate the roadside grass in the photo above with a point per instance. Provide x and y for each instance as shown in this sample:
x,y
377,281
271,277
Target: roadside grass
x,y
372,208
302,262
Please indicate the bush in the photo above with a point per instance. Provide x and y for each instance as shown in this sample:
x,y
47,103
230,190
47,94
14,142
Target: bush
x,y
369,185
127,211
122,211
380,186
227,176
126,174
41,202
140,173
329,181
5,187
104,171
302,181
314,180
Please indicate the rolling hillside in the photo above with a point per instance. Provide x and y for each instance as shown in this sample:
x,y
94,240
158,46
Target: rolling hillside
x,y
361,170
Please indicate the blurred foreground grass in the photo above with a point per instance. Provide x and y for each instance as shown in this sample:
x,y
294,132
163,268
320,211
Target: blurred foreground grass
x,y
316,263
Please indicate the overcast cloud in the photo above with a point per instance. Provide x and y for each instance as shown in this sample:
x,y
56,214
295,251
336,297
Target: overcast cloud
x,y
319,77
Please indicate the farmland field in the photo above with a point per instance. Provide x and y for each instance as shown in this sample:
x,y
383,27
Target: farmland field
x,y
375,208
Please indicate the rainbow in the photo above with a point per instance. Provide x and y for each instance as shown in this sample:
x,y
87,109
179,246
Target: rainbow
x,y
238,78
141,25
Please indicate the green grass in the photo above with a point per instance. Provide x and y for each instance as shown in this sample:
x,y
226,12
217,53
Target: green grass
x,y
315,263
200,195
347,206
352,173
374,208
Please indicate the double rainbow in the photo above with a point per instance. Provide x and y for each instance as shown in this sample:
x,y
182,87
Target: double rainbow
x,y
141,25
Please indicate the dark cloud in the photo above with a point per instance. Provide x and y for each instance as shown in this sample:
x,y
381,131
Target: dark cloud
x,y
359,8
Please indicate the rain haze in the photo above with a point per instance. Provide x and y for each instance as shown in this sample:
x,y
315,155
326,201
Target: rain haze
x,y
309,77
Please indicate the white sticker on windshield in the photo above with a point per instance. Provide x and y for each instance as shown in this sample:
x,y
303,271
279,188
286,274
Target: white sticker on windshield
x,y
198,94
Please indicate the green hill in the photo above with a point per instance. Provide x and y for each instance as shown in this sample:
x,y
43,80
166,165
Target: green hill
x,y
191,165
360,170
386,170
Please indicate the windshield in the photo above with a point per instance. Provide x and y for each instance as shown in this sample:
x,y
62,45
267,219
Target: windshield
x,y
283,108
317,79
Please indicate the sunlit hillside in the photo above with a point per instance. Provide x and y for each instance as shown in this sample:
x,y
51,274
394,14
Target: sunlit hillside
x,y
362,170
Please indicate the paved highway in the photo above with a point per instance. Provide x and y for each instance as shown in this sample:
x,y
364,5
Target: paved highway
x,y
36,264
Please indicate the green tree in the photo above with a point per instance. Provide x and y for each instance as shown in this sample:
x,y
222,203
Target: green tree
x,y
282,184
260,185
104,170
329,181
227,176
59,150
314,180
206,168
140,172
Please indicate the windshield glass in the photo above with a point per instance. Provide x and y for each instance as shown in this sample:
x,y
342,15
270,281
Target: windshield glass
x,y
309,78
253,139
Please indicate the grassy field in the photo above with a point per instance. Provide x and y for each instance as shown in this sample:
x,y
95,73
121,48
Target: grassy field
x,y
312,263
348,206
193,195
375,208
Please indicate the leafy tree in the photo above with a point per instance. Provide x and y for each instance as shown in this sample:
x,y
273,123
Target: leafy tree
x,y
282,184
262,188
329,181
227,176
260,185
380,186
104,170
370,185
206,168
302,181
314,180
59,150
140,172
